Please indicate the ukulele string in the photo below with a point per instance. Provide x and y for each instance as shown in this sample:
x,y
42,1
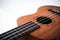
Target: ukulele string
x,y
44,21
19,30
16,29
54,14
51,27
47,20
50,16
23,32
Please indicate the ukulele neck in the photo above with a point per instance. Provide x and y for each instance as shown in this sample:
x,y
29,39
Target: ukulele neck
x,y
19,31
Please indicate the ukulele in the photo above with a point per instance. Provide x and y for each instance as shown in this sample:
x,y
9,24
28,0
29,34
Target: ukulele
x,y
44,24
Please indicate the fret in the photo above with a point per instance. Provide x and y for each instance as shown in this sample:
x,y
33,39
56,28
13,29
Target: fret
x,y
29,27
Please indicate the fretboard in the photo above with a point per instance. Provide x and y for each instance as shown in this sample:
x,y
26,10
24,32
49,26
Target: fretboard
x,y
19,31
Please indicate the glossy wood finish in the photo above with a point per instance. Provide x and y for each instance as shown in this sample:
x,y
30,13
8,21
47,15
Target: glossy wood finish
x,y
47,31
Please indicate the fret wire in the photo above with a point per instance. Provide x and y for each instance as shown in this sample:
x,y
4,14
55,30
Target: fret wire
x,y
16,29
9,35
26,31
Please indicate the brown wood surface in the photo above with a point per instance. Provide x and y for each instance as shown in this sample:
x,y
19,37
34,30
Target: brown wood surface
x,y
42,33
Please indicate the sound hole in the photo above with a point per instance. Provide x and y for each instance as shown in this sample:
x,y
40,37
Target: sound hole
x,y
43,20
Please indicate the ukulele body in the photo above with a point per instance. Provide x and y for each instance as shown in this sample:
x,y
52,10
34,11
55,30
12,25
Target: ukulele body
x,y
46,31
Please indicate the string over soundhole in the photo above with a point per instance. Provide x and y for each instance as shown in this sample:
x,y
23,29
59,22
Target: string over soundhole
x,y
43,20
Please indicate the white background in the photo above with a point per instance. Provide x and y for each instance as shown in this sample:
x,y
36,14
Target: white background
x,y
10,10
